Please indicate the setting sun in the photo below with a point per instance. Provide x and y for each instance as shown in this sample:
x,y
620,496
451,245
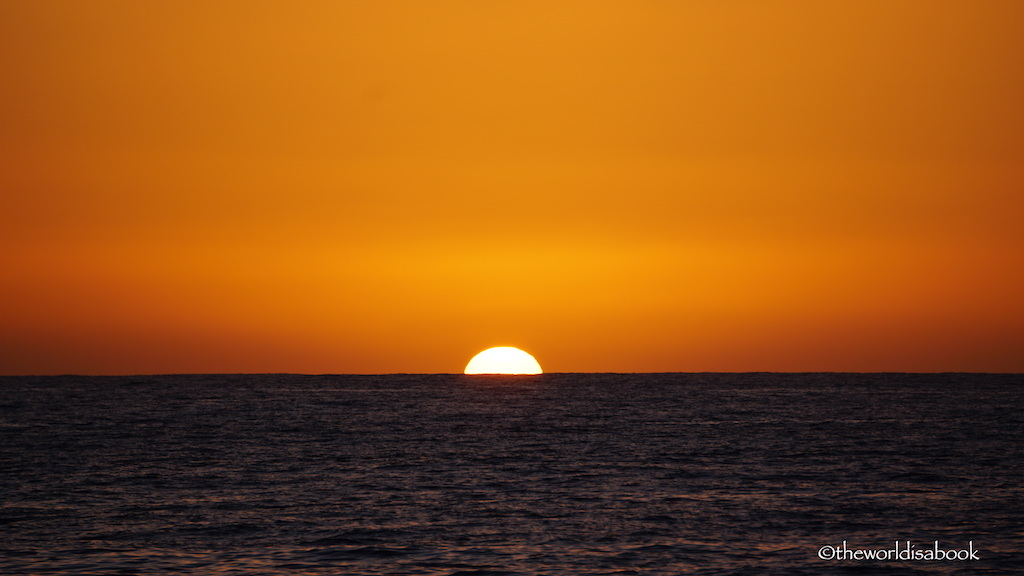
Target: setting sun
x,y
503,360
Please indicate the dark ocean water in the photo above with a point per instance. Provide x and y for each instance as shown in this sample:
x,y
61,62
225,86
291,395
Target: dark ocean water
x,y
552,474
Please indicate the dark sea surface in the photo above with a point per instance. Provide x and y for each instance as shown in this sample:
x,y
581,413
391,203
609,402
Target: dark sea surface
x,y
475,475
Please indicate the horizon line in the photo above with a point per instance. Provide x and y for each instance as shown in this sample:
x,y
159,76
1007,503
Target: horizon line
x,y
143,374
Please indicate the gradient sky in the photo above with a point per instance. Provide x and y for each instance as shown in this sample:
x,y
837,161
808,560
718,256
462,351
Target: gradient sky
x,y
634,186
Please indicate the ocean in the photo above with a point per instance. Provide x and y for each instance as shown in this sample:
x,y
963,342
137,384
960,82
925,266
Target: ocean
x,y
658,474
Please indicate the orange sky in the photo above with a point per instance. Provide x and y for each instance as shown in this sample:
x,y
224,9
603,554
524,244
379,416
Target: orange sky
x,y
366,187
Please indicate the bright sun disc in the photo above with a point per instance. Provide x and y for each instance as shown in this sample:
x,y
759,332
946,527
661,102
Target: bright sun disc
x,y
503,360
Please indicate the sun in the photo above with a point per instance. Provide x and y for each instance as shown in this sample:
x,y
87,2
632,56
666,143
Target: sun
x,y
503,360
